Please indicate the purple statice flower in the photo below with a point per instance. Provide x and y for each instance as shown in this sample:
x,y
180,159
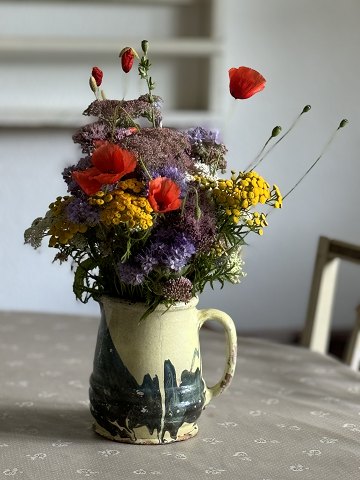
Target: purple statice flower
x,y
131,273
200,135
79,211
178,289
174,174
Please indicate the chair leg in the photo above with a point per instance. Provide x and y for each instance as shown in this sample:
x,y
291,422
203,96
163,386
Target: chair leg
x,y
317,328
352,354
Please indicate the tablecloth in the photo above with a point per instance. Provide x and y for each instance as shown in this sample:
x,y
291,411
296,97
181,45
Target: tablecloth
x,y
289,413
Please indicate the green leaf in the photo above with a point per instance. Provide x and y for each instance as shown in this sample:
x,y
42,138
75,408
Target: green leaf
x,y
81,283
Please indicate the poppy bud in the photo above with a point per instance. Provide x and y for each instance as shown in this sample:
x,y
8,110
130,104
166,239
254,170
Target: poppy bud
x,y
276,131
145,46
306,109
127,56
343,123
98,75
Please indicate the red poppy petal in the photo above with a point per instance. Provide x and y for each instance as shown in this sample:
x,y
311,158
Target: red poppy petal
x,y
127,60
124,161
164,195
108,178
110,158
86,179
98,75
245,82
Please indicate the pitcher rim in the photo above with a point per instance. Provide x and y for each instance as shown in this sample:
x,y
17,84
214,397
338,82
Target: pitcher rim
x,y
141,305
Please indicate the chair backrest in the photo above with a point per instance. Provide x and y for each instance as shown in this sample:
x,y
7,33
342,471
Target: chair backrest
x,y
316,332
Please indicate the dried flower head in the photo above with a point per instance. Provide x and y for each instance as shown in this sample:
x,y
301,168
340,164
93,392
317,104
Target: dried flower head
x,y
127,56
97,74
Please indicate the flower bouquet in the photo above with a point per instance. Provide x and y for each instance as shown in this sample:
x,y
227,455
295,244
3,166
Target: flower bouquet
x,y
149,221
148,216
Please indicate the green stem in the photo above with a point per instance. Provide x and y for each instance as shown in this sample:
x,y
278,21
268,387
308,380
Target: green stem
x,y
341,125
143,166
259,159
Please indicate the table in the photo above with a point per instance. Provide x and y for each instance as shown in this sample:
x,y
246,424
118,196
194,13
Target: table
x,y
289,413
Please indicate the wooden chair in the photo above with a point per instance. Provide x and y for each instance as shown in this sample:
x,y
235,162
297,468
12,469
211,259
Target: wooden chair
x,y
316,333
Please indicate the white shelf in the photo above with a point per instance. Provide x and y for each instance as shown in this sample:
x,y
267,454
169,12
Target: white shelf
x,y
188,47
67,118
47,49
119,2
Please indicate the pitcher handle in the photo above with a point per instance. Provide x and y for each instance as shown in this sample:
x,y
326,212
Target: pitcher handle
x,y
226,321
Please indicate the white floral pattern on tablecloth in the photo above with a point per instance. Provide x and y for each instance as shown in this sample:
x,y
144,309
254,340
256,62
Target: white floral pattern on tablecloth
x,y
289,413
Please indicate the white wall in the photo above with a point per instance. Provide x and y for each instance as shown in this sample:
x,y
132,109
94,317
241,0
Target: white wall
x,y
308,51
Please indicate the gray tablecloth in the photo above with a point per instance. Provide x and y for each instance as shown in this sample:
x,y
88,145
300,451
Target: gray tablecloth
x,y
289,413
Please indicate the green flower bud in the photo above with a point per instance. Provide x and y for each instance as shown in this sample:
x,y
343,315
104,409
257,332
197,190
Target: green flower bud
x,y
343,123
145,46
306,109
276,131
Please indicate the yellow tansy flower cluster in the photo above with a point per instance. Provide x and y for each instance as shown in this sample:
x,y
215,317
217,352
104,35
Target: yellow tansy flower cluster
x,y
277,197
62,230
256,221
123,205
241,192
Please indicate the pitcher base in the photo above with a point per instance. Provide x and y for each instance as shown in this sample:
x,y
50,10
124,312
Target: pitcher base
x,y
185,432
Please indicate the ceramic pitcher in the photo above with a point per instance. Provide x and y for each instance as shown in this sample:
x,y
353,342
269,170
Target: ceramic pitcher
x,y
147,385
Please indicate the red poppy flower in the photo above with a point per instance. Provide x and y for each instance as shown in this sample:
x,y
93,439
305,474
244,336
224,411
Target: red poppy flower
x,y
127,56
245,82
110,163
164,195
98,75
